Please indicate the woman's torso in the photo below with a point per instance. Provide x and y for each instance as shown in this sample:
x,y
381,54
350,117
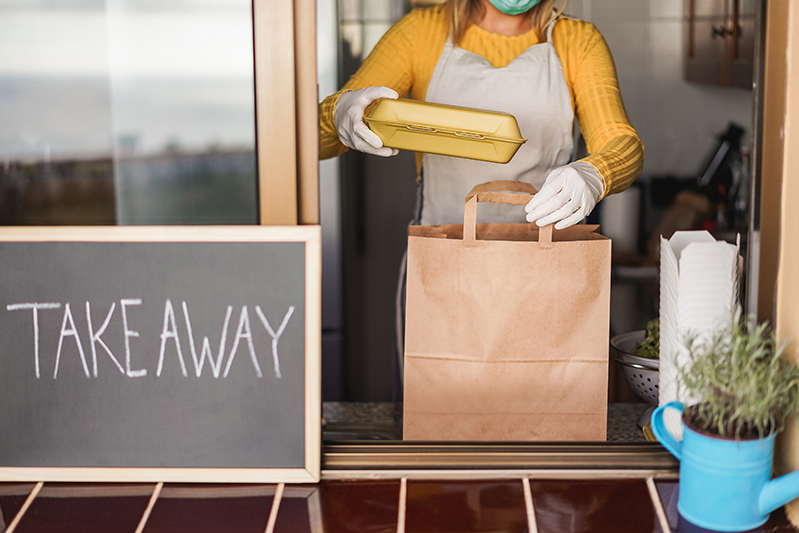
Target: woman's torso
x,y
532,88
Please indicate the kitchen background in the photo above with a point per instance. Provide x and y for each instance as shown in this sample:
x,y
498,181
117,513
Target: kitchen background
x,y
367,201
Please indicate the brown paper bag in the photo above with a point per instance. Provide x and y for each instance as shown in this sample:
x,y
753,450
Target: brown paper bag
x,y
506,335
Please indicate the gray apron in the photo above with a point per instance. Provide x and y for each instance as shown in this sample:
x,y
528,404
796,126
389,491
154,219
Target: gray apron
x,y
532,88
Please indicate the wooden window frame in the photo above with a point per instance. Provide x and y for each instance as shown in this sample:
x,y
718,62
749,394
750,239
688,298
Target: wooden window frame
x,y
287,129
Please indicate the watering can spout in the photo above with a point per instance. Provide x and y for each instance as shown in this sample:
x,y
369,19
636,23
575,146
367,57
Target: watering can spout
x,y
779,491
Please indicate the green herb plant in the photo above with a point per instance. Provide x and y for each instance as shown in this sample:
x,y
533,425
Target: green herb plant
x,y
650,346
742,385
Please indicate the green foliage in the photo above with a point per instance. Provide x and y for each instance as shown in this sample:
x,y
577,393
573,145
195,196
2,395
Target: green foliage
x,y
650,346
743,386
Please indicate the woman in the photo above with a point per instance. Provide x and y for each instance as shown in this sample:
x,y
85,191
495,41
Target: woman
x,y
514,56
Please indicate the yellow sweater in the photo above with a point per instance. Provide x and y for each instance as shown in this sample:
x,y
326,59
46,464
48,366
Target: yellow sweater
x,y
406,56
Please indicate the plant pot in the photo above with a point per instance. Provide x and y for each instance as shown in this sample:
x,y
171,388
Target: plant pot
x,y
724,483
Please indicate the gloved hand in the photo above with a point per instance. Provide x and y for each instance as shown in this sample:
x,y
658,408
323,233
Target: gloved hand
x,y
352,130
568,195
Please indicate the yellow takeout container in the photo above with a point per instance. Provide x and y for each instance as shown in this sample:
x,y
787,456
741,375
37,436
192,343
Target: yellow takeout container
x,y
445,129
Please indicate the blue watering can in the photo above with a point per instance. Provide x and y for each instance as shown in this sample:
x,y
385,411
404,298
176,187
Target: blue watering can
x,y
725,484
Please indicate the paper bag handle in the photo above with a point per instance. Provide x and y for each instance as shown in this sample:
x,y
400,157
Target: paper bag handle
x,y
502,185
487,192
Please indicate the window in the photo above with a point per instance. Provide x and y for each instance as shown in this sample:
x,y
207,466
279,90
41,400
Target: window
x,y
144,112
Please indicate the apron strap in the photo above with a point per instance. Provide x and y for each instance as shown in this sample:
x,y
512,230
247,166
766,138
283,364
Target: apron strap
x,y
549,30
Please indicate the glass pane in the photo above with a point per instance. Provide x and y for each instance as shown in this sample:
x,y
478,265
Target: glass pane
x,y
377,10
55,134
350,10
182,110
127,112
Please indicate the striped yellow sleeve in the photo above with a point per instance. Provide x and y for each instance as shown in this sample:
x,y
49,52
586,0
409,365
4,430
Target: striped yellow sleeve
x,y
390,64
615,149
329,144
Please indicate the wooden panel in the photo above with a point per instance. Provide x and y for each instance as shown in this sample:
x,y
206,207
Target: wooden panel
x,y
787,289
708,8
720,42
705,48
742,51
744,32
771,145
275,105
307,112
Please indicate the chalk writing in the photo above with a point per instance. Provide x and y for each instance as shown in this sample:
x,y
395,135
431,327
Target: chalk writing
x,y
71,332
124,303
170,331
169,339
95,337
205,352
244,332
275,336
35,307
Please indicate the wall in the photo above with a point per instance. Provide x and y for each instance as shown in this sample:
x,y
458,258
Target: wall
x,y
787,288
676,120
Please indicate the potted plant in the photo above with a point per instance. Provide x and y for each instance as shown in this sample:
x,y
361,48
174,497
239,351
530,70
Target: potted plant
x,y
741,392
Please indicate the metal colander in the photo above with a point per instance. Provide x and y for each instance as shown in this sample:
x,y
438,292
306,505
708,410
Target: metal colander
x,y
640,372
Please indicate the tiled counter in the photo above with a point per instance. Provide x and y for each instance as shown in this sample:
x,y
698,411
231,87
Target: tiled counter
x,y
356,506
383,420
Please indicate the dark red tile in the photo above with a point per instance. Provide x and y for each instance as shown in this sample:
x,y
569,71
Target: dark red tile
x,y
298,507
358,506
12,496
211,509
465,506
622,506
95,508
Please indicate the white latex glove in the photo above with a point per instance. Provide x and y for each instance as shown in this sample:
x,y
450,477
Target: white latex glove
x,y
568,195
352,130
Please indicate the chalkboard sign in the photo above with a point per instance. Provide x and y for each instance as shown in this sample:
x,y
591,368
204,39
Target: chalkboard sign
x,y
160,354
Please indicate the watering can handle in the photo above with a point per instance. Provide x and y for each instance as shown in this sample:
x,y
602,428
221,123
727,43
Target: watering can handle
x,y
662,434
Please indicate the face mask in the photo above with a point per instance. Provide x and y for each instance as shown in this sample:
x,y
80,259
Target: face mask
x,y
514,7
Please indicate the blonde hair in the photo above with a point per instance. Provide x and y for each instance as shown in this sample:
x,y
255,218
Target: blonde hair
x,y
461,13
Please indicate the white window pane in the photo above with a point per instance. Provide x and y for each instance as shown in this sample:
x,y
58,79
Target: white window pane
x,y
351,10
127,111
377,10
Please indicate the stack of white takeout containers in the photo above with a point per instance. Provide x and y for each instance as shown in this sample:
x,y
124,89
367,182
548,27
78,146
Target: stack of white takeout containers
x,y
699,288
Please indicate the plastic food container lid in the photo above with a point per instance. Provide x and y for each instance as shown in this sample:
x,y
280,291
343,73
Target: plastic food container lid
x,y
446,130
